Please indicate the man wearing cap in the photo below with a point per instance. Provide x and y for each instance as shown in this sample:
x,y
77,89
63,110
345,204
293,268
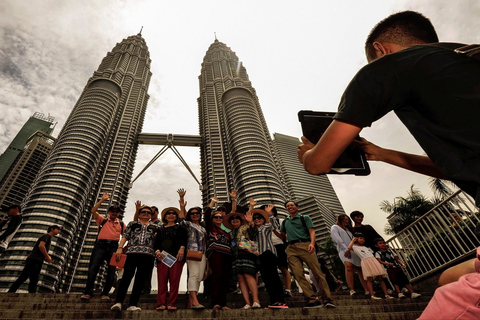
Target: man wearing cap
x,y
34,262
110,230
301,249
9,226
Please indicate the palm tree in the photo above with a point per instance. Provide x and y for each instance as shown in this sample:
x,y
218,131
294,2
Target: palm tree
x,y
405,210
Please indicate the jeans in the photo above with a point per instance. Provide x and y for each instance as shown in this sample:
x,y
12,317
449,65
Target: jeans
x,y
102,251
32,271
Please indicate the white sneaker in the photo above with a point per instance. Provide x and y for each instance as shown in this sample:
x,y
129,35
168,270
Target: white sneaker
x,y
246,307
415,295
352,292
376,298
256,305
116,306
388,297
133,308
401,295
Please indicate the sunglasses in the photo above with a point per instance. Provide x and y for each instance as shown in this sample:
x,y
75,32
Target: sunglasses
x,y
258,218
195,212
171,212
217,217
235,218
146,211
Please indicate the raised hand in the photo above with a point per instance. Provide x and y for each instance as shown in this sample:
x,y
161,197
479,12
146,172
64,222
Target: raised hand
x,y
138,205
181,192
233,194
105,196
269,208
249,217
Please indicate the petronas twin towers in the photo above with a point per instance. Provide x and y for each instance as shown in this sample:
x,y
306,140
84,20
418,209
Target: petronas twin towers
x,y
95,152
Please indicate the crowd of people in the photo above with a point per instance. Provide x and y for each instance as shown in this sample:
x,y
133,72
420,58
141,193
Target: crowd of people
x,y
217,244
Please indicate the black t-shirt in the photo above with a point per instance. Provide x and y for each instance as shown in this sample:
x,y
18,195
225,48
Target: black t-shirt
x,y
436,94
36,253
171,239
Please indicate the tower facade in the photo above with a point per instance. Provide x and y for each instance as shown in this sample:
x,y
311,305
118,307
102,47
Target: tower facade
x,y
22,173
94,153
237,150
36,122
314,194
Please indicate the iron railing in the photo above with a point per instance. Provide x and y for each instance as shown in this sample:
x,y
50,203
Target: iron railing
x,y
442,237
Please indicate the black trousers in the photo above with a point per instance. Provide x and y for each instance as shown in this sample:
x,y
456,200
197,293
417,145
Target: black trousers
x,y
31,271
268,270
138,265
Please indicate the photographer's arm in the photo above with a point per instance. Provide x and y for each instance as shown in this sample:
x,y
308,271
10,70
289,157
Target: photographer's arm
x,y
412,162
319,158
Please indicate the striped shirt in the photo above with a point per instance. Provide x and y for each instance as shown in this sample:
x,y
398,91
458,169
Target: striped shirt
x,y
264,239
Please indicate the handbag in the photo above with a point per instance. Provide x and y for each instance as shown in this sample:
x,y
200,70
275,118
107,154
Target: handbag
x,y
194,255
249,245
118,263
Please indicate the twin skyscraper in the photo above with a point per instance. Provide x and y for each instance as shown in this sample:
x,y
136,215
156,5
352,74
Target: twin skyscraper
x,y
96,149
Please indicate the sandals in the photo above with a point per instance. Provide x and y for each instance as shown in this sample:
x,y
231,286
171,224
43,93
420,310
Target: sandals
x,y
217,307
171,307
161,307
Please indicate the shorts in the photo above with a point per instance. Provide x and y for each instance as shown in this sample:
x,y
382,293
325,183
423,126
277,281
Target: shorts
x,y
281,256
398,277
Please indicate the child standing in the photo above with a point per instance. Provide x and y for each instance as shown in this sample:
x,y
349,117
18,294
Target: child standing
x,y
370,266
394,266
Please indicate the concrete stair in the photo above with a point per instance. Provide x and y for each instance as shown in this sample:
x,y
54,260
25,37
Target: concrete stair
x,y
69,306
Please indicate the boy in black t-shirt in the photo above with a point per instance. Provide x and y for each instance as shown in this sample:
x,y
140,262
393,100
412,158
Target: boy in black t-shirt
x,y
34,262
394,267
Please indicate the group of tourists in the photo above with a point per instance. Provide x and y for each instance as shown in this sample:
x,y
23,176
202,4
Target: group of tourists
x,y
216,248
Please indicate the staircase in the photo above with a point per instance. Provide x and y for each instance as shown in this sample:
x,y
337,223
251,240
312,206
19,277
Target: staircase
x,y
68,306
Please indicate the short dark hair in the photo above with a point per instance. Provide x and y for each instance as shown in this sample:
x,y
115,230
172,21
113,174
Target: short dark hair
x,y
375,241
356,213
285,204
15,206
404,28
53,227
358,235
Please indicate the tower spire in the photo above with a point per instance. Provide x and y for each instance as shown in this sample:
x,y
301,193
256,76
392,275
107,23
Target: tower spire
x,y
140,33
215,36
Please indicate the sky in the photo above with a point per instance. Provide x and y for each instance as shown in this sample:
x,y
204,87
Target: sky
x,y
299,55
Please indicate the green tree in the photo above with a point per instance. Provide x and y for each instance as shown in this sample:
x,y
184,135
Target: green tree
x,y
405,210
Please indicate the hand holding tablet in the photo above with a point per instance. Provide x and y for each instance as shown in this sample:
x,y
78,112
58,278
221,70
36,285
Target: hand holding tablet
x,y
351,161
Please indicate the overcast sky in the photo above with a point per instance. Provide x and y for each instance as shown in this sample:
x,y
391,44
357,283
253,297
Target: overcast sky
x,y
298,54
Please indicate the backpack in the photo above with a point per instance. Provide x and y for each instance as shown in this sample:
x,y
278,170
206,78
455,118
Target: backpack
x,y
306,228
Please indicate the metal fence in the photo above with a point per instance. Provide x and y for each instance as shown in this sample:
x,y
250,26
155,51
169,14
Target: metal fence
x,y
440,238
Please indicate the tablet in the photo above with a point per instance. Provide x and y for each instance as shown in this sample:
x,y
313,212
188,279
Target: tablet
x,y
351,161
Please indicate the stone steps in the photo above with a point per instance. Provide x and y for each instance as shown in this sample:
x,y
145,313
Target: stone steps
x,y
69,306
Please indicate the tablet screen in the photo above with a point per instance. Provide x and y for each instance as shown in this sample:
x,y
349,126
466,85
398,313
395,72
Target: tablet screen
x,y
351,161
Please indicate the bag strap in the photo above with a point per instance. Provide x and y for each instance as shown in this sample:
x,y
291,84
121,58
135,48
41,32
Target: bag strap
x,y
471,51
122,225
